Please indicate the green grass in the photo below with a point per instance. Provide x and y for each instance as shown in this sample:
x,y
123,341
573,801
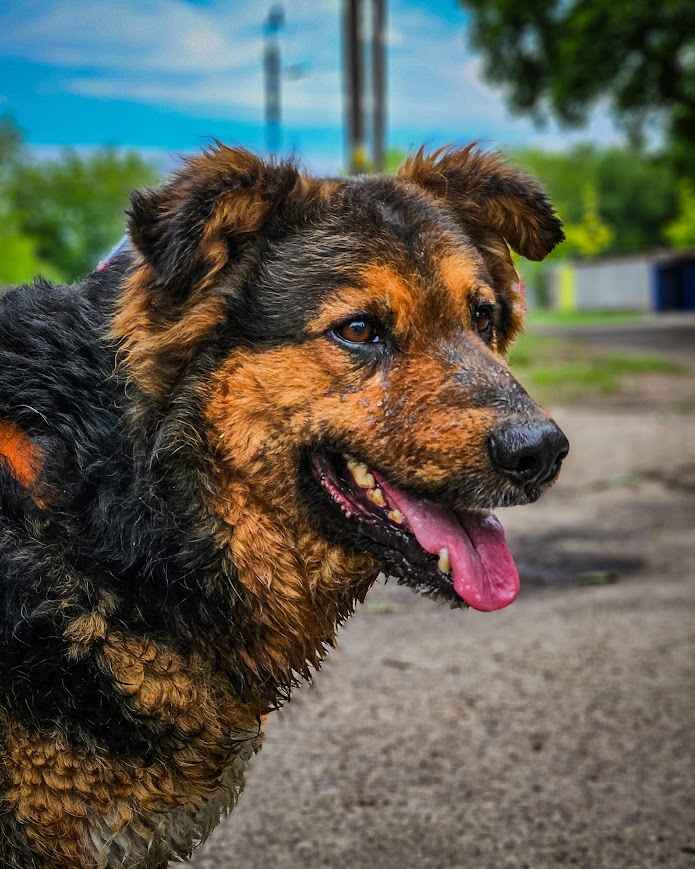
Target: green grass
x,y
565,370
583,318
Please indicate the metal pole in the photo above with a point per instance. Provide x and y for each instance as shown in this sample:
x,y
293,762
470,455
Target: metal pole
x,y
271,67
379,84
352,58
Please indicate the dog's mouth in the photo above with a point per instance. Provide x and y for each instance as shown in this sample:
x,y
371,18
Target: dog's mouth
x,y
461,555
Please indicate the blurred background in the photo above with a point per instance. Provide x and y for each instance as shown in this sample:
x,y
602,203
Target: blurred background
x,y
558,732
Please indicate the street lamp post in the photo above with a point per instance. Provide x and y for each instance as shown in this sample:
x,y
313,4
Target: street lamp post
x,y
271,66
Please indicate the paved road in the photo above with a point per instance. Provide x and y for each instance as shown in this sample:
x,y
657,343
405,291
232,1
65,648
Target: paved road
x,y
673,334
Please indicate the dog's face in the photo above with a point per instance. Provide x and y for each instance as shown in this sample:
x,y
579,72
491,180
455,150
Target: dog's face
x,y
359,407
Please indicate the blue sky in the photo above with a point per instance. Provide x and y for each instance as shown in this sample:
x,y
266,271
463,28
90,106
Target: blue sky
x,y
165,76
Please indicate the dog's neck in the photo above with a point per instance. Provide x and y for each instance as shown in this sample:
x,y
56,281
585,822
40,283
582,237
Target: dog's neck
x,y
269,592
298,588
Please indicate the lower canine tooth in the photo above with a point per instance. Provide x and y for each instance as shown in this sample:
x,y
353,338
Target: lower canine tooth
x,y
395,516
376,496
443,564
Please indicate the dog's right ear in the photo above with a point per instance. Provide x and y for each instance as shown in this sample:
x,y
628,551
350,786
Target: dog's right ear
x,y
487,193
191,228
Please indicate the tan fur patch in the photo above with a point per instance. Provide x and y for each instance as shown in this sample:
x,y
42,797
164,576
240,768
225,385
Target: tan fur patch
x,y
399,293
301,585
22,455
460,272
243,213
153,352
160,683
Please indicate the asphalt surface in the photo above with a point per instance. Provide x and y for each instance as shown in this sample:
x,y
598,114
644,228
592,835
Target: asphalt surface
x,y
673,334
559,732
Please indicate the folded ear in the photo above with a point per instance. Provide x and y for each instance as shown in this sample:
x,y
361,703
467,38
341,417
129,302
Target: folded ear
x,y
485,191
188,230
194,237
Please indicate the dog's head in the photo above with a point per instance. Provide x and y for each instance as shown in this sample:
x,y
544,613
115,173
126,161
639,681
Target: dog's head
x,y
351,336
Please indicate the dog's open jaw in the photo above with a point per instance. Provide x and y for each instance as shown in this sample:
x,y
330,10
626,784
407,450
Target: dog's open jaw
x,y
463,556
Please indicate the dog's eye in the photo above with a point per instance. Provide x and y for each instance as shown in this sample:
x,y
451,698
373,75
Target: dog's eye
x,y
484,321
358,331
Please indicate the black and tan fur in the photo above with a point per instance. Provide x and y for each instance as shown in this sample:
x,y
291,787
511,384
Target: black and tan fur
x,y
168,566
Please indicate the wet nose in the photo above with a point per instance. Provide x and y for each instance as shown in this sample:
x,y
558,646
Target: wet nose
x,y
528,453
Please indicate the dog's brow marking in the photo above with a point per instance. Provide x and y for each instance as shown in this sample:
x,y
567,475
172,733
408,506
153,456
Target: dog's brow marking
x,y
460,275
20,453
398,292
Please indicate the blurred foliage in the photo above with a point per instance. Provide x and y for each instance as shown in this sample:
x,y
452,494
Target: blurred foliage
x,y
20,261
19,258
681,231
632,193
58,217
558,57
394,158
591,235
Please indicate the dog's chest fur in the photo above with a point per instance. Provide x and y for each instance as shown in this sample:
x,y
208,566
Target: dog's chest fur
x,y
148,842
90,807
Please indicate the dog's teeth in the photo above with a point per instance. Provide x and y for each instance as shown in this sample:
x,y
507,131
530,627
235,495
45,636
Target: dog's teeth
x,y
443,564
376,496
395,516
361,475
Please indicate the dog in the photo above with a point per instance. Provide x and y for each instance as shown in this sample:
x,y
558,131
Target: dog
x,y
211,449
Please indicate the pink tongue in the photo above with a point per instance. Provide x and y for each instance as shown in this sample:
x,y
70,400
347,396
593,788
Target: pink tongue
x,y
483,570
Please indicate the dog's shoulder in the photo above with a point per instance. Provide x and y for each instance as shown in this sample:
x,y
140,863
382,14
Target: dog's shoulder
x,y
55,379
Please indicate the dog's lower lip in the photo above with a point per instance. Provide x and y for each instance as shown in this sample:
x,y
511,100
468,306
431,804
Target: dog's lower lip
x,y
462,555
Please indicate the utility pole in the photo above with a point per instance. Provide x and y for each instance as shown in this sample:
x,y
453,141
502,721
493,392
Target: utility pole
x,y
354,83
271,67
379,85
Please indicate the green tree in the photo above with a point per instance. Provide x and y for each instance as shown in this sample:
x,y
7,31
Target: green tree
x,y
74,207
57,217
10,142
562,56
591,235
18,252
681,231
19,261
636,192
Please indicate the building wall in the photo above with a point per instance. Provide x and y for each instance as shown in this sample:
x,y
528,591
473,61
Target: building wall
x,y
626,284
610,284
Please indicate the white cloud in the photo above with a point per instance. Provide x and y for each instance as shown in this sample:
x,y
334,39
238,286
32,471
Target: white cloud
x,y
437,87
206,60
155,35
167,52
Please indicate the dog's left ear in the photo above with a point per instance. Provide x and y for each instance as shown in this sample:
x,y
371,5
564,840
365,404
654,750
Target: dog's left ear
x,y
484,191
191,228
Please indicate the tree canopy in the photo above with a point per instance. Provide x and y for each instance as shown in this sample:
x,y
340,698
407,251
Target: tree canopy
x,y
57,217
558,57
631,193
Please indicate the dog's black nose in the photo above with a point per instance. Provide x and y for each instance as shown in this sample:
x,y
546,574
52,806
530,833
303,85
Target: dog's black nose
x,y
529,453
